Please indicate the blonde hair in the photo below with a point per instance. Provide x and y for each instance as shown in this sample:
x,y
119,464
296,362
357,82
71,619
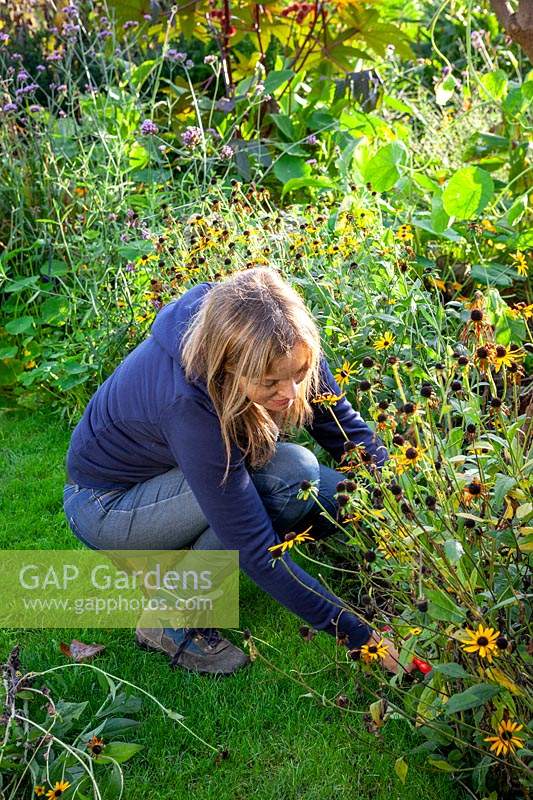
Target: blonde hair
x,y
243,325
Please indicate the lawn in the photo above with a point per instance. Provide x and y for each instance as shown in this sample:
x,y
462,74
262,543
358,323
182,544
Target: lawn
x,y
281,744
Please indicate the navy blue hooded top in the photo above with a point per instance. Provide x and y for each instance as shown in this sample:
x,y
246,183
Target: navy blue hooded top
x,y
146,418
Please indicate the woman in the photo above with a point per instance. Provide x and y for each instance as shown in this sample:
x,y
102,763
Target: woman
x,y
179,449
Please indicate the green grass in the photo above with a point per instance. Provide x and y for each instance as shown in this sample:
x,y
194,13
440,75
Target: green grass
x,y
281,744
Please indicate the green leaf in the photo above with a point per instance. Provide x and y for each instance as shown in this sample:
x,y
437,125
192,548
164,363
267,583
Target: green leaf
x,y
54,311
382,171
444,90
19,325
8,352
493,274
174,715
454,550
54,268
321,120
276,79
288,167
442,607
467,192
494,85
504,484
442,764
120,751
284,123
21,284
318,182
451,670
439,218
141,72
472,697
400,768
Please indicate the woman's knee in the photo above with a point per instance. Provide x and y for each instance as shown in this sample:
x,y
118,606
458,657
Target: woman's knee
x,y
280,481
294,463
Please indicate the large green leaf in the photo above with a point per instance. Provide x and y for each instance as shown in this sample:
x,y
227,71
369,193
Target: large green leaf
x,y
317,182
276,79
467,192
493,274
442,607
382,171
473,697
288,167
19,325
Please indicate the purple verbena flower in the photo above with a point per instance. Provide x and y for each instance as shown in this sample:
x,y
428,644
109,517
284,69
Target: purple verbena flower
x,y
35,108
22,75
4,37
191,136
149,128
130,266
312,139
105,34
130,23
40,68
226,152
10,107
55,55
176,56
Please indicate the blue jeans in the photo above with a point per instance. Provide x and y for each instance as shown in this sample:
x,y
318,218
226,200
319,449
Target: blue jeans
x,y
162,513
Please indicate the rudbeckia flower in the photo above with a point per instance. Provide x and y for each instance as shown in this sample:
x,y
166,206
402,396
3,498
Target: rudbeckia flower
x,y
506,741
502,357
344,373
482,642
384,342
57,791
290,540
371,652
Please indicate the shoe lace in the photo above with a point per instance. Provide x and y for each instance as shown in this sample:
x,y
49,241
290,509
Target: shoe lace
x,y
211,635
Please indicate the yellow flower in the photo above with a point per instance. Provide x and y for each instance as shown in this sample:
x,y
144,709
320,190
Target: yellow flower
x,y
487,225
384,342
404,233
506,741
290,540
520,309
57,791
502,357
39,790
409,456
95,745
415,631
520,263
473,491
344,373
371,652
482,642
327,399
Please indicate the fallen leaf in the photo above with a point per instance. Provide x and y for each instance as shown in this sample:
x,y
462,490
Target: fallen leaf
x,y
79,651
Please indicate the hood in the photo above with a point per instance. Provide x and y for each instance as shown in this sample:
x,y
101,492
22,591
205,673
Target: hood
x,y
173,319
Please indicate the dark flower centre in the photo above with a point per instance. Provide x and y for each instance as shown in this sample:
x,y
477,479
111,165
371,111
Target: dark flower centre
x,y
482,641
474,488
482,352
411,453
372,649
501,351
476,315
506,735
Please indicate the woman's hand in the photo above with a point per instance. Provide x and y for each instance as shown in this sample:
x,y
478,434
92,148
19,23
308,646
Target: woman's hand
x,y
391,659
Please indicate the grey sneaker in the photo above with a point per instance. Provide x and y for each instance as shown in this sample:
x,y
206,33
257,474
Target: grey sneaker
x,y
194,649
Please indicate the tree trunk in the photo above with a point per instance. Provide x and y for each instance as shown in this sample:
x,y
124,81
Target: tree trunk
x,y
518,25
